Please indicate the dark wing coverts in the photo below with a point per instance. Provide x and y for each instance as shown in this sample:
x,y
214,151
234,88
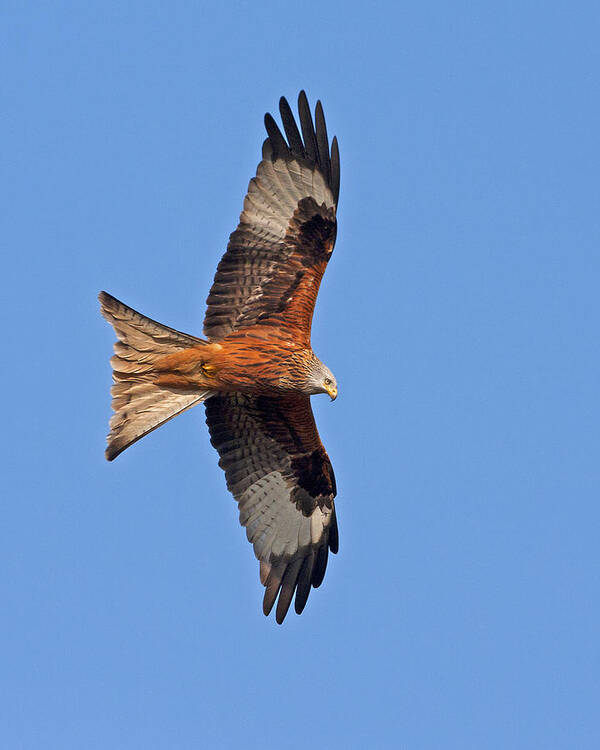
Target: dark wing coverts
x,y
275,464
276,257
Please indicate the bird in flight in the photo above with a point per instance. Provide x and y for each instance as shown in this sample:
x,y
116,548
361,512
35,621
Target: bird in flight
x,y
254,369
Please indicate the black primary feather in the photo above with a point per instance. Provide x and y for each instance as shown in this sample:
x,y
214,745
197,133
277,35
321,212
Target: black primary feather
x,y
280,148
335,170
308,129
320,566
291,129
322,142
304,578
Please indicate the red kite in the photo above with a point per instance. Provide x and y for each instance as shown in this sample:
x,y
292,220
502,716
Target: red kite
x,y
255,369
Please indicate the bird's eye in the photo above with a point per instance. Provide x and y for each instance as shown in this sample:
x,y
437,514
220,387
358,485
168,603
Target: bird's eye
x,y
327,381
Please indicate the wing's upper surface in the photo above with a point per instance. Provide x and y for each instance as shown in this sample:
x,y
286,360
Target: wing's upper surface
x,y
276,257
281,476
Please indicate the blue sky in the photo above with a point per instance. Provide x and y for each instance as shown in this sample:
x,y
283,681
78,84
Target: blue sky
x,y
460,314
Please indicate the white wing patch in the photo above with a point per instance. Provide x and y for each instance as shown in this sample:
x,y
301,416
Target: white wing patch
x,y
273,523
273,196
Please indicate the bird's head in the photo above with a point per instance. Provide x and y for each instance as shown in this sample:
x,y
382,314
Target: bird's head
x,y
322,380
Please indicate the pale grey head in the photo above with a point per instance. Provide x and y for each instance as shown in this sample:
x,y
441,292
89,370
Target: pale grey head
x,y
321,379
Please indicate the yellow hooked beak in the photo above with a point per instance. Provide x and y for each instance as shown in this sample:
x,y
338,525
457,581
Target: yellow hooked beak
x,y
332,391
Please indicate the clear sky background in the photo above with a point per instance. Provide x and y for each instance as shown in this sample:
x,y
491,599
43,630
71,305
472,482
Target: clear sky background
x,y
460,314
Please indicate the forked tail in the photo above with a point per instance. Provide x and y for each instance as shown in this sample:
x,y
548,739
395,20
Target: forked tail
x,y
140,405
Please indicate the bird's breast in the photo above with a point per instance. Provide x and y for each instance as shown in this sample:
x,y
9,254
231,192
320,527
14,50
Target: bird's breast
x,y
256,364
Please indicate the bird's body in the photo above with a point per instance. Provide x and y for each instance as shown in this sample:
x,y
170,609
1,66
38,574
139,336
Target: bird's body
x,y
255,361
254,369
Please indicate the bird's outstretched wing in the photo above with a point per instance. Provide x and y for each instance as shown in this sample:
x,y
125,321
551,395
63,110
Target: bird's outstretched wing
x,y
280,474
276,257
